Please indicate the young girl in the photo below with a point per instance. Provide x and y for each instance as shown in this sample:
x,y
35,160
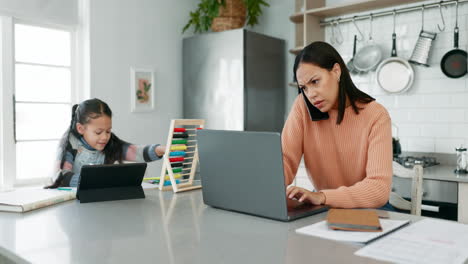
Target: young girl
x,y
89,140
343,134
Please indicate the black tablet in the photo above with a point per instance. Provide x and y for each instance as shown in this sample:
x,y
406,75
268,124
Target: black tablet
x,y
111,182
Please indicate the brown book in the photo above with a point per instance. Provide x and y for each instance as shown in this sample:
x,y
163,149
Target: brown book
x,y
353,220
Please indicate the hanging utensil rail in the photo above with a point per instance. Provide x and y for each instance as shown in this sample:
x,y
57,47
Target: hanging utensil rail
x,y
390,12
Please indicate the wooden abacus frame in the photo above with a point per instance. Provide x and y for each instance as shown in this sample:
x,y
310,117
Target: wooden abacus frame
x,y
188,185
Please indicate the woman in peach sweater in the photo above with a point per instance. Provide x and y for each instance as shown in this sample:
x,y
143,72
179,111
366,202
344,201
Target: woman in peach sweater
x,y
343,134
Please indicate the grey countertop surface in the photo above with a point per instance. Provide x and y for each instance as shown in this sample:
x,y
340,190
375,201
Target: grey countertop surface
x,y
444,173
163,228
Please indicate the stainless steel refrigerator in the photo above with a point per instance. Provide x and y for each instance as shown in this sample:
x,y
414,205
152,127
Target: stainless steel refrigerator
x,y
235,80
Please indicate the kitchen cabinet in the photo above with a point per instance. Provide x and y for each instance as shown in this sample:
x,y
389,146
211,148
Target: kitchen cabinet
x,y
463,202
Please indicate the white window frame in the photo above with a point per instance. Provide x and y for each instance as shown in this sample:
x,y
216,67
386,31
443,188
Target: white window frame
x,y
8,178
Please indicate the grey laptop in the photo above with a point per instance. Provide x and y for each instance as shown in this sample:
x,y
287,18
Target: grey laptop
x,y
243,171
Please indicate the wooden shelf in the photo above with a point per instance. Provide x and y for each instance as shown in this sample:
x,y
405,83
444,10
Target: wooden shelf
x,y
296,50
308,23
297,18
342,9
357,6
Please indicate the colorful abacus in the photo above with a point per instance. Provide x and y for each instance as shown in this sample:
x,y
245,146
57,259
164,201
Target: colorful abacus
x,y
181,158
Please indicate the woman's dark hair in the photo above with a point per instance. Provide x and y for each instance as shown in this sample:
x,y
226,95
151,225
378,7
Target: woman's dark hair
x,y
325,56
82,113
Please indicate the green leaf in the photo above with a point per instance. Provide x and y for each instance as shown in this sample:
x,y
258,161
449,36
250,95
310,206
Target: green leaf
x,y
202,17
147,87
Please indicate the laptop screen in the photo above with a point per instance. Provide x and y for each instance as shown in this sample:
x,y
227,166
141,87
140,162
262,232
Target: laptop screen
x,y
243,171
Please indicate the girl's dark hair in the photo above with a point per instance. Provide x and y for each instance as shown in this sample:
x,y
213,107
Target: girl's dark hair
x,y
82,113
325,56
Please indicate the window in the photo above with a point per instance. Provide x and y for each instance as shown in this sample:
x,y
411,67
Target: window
x,y
42,88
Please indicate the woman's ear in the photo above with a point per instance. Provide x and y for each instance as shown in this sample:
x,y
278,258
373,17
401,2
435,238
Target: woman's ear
x,y
336,70
80,128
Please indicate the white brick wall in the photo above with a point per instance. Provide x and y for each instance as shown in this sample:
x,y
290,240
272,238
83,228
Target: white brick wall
x,y
433,115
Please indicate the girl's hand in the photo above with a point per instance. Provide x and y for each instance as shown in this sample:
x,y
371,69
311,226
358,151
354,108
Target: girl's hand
x,y
160,150
303,195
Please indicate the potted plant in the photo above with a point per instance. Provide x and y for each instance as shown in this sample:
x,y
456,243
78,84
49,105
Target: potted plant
x,y
222,15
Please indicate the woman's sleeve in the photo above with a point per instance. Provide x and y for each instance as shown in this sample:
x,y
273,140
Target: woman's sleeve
x,y
374,190
140,153
292,139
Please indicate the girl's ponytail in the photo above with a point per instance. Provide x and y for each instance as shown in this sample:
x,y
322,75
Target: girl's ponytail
x,y
64,143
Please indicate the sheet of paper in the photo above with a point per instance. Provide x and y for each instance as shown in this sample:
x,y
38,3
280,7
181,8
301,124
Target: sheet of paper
x,y
321,229
426,241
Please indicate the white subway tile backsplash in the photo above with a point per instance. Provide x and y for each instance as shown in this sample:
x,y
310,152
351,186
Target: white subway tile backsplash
x,y
406,100
409,131
450,115
459,131
459,100
448,145
433,114
398,115
436,131
421,116
387,101
441,86
421,144
429,73
436,100
404,143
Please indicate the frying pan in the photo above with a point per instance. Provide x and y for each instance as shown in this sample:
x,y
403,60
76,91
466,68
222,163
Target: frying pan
x,y
395,75
453,64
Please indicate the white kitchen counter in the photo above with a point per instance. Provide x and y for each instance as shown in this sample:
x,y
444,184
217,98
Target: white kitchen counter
x,y
444,173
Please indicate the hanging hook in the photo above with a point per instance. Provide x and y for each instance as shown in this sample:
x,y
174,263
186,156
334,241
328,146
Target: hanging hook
x,y
456,14
360,33
371,16
339,38
422,17
332,38
442,17
394,19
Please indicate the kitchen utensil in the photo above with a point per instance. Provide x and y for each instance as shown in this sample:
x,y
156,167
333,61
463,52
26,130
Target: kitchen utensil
x,y
421,51
350,64
369,56
462,160
396,146
454,62
336,34
442,18
339,37
395,75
